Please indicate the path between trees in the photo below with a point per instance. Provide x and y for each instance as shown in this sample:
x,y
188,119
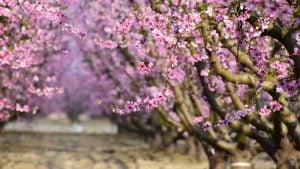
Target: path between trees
x,y
81,151
52,143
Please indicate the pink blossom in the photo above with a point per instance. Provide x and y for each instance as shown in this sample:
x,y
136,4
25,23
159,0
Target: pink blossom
x,y
198,119
125,26
145,69
275,106
106,43
206,125
264,111
281,69
24,108
204,72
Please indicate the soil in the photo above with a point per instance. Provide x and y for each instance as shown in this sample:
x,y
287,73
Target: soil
x,y
85,151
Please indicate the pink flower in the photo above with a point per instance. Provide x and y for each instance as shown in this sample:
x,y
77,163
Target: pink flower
x,y
129,106
150,104
118,111
25,108
145,69
198,119
206,125
172,60
275,106
73,30
281,69
264,111
176,2
204,72
124,27
106,43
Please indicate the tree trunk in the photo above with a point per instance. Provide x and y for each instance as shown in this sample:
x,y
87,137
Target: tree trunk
x,y
1,126
201,154
191,146
287,157
217,161
291,161
288,165
156,143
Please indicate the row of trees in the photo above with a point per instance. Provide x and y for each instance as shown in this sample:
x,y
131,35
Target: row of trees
x,y
223,74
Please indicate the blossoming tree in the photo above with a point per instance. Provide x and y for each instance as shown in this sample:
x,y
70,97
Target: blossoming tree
x,y
226,73
230,69
26,30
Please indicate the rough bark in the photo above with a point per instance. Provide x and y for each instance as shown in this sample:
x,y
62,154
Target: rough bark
x,y
287,157
217,161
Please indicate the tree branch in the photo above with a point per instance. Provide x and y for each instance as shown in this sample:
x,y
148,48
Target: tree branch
x,y
239,78
252,118
266,144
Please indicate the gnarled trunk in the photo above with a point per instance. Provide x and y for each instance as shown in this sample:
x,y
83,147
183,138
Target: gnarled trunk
x,y
288,159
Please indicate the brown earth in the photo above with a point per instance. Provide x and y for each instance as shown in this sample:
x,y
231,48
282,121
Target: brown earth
x,y
81,151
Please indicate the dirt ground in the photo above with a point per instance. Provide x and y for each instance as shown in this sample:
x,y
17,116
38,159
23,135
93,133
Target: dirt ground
x,y
81,151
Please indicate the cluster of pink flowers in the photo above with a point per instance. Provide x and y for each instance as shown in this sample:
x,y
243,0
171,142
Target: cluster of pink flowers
x,y
124,27
227,59
279,9
289,87
260,57
5,104
27,31
281,68
206,125
47,91
24,108
73,30
198,119
106,43
145,104
42,9
145,69
54,14
274,106
265,111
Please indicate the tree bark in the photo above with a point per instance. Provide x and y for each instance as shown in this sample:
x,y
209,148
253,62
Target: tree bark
x,y
289,160
217,161
191,146
287,157
201,154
